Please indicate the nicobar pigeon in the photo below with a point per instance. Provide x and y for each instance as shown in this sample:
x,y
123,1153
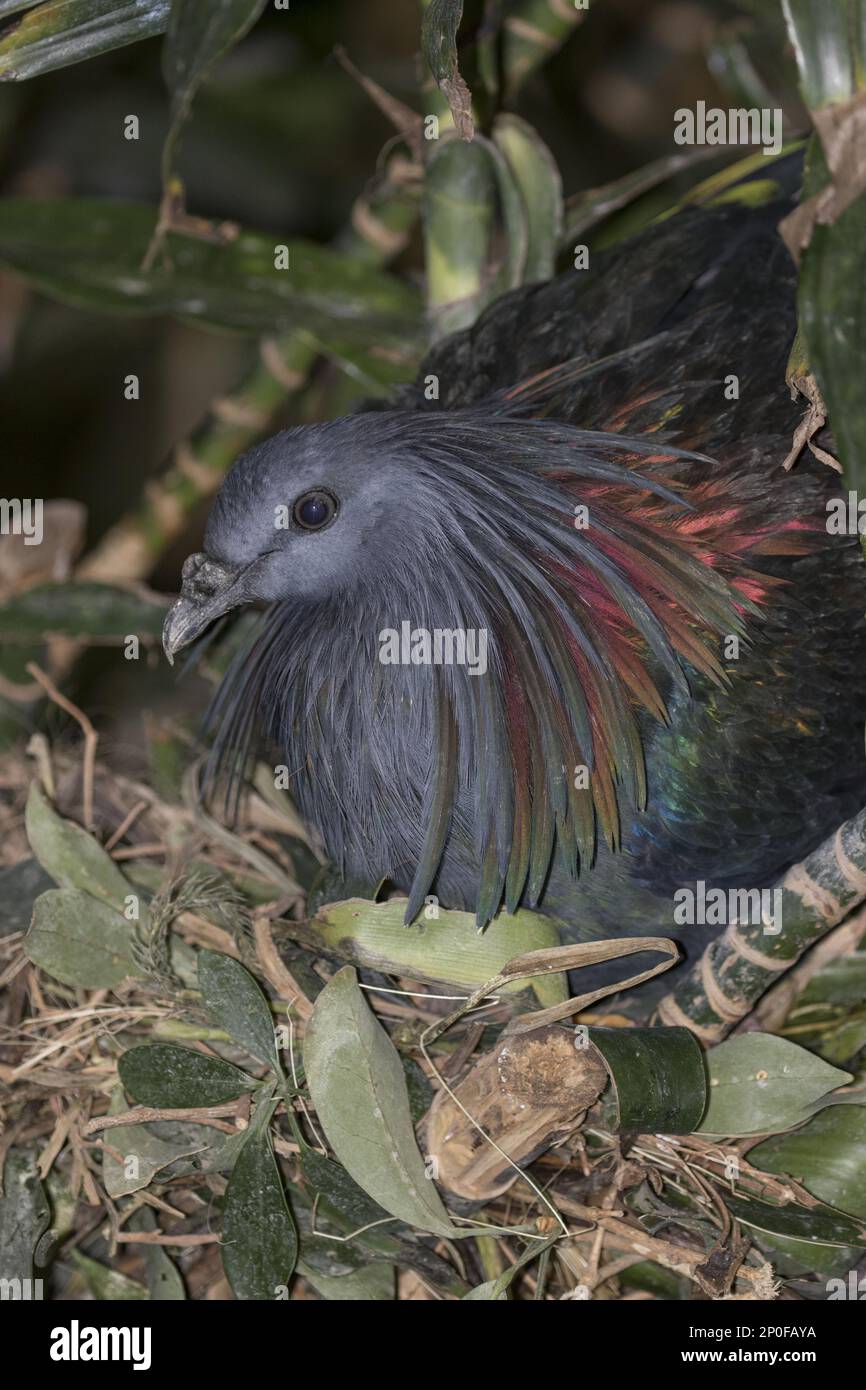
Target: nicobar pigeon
x,y
675,682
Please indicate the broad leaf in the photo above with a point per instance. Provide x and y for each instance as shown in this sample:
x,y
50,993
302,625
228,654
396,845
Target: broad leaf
x,y
171,1077
359,1091
538,180
107,1285
71,856
259,1243
24,1214
235,1001
760,1084
200,32
80,940
373,1284
89,252
133,1154
827,1156
821,1225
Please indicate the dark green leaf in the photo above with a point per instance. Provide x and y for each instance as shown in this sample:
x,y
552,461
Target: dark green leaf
x,y
658,1075
80,940
235,1001
460,199
833,318
103,614
820,1225
200,32
89,252
827,1155
260,1243
177,1078
331,1181
63,32
24,1215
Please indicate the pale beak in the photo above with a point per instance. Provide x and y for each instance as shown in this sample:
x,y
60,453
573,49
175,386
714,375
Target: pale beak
x,y
208,590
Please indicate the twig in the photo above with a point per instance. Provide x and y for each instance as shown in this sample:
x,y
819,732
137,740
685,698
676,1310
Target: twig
x,y
145,1114
91,738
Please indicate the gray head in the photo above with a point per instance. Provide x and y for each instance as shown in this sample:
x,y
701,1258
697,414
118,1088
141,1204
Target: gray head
x,y
306,514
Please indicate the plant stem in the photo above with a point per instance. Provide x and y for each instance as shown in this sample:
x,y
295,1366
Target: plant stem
x,y
736,969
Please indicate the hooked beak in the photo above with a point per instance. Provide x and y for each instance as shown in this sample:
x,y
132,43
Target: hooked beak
x,y
208,589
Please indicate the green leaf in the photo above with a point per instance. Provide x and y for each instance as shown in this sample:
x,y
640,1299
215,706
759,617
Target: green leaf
x,y
139,1143
658,1076
331,1181
164,1283
103,614
833,317
829,1017
494,1290
71,856
107,1285
829,40
374,1284
171,1077
447,950
24,1215
439,46
460,200
200,32
20,886
827,1156
514,221
236,1002
63,32
89,252
80,940
538,180
819,1225
359,1091
760,1083
260,1243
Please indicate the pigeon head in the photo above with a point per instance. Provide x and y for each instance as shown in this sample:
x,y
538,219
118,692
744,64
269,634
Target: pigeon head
x,y
596,587
307,514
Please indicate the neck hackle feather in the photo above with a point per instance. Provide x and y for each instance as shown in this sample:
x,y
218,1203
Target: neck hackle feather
x,y
605,571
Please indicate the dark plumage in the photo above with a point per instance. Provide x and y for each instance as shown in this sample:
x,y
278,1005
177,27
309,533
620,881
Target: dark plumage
x,y
608,645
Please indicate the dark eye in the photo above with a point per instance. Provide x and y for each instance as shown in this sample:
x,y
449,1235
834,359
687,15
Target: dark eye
x,y
313,510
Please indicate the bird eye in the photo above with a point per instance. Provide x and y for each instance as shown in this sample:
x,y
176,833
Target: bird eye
x,y
313,510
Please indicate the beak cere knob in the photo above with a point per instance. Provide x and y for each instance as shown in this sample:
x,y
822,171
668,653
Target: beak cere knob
x,y
208,589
